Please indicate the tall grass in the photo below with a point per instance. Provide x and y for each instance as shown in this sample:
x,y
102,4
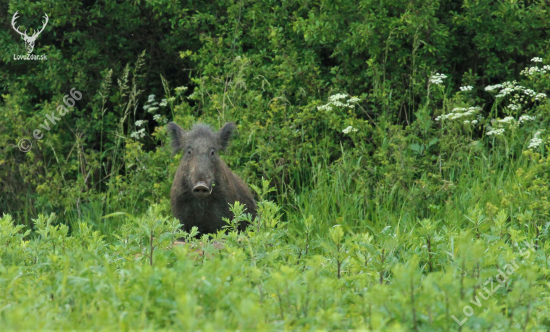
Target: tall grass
x,y
341,194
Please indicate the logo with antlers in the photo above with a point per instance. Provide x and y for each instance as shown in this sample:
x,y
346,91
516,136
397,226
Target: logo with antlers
x,y
29,41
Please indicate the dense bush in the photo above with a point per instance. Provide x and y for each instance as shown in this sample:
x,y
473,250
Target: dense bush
x,y
265,65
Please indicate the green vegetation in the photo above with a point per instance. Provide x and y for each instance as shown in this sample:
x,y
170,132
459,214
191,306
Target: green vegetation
x,y
399,152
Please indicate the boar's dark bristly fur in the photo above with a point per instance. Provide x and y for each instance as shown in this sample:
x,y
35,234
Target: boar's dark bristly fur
x,y
204,186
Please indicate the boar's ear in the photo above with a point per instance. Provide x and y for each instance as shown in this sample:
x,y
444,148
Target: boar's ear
x,y
225,134
176,133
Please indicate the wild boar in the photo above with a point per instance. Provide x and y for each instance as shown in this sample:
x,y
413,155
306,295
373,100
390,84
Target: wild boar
x,y
204,186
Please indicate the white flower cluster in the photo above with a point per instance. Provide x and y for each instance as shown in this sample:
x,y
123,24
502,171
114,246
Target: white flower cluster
x,y
532,70
324,107
493,87
141,132
506,120
540,96
150,105
334,100
349,129
508,88
466,88
536,59
524,118
509,121
459,112
437,78
340,104
138,134
514,107
535,141
472,122
337,96
495,132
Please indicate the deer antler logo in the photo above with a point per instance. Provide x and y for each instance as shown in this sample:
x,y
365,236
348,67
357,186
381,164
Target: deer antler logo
x,y
29,41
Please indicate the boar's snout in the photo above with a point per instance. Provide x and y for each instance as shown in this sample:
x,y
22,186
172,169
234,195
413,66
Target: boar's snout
x,y
201,190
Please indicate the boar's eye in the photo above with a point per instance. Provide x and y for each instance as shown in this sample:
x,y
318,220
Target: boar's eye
x,y
212,153
188,152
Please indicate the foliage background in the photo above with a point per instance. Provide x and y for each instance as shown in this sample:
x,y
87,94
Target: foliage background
x,y
268,66
263,64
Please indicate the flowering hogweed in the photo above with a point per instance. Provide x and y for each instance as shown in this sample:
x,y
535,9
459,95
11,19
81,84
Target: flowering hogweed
x,y
530,71
138,134
349,129
540,96
337,96
493,87
151,106
437,79
495,132
158,117
499,123
533,70
535,141
459,112
340,104
518,96
507,119
508,88
334,100
139,123
526,117
324,107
